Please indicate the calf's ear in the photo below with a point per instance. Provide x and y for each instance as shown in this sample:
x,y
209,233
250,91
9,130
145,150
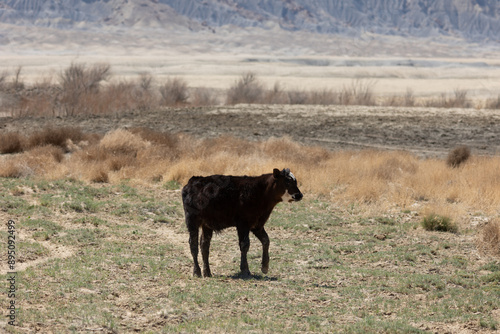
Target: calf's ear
x,y
276,173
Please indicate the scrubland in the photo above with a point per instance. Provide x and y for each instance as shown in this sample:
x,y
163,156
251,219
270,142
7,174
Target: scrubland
x,y
384,241
82,89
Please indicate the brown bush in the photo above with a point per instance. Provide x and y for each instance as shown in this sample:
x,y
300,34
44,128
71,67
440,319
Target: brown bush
x,y
493,103
458,156
202,96
55,136
174,92
489,238
156,137
245,90
13,169
47,152
80,87
11,142
123,142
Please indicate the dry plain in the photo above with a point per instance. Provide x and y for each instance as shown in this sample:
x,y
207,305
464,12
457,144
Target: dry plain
x,y
113,256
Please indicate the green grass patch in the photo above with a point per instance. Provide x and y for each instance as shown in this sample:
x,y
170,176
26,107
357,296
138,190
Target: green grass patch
x,y
331,270
434,222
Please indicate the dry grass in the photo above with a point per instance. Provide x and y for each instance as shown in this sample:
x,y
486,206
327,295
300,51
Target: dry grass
x,y
11,142
90,89
458,156
374,180
489,238
55,136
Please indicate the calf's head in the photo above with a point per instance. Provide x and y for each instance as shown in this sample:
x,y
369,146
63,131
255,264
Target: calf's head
x,y
287,182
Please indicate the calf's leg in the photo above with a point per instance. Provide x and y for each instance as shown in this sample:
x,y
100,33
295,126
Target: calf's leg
x,y
193,244
206,236
264,239
244,238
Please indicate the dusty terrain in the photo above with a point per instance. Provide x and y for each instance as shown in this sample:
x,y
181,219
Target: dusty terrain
x,y
423,131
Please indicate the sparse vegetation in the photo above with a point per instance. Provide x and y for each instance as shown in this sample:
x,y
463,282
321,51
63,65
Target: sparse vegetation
x,y
329,272
101,215
90,89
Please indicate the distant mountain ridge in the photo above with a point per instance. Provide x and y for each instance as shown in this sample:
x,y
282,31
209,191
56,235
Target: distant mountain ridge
x,y
469,19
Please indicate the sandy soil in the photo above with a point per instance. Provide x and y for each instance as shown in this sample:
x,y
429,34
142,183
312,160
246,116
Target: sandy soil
x,y
423,131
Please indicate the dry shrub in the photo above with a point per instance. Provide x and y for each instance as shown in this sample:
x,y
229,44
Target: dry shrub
x,y
457,100
247,89
55,136
203,96
395,165
80,87
489,238
156,137
458,156
174,92
14,169
124,142
493,103
285,149
276,95
359,92
11,142
37,161
47,151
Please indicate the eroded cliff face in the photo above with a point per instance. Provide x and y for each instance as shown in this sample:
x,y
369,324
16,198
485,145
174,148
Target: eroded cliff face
x,y
471,19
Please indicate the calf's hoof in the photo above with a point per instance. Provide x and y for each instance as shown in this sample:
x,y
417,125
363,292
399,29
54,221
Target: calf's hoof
x,y
265,269
207,273
196,272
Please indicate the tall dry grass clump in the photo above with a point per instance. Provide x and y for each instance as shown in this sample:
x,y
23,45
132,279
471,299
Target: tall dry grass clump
x,y
489,238
368,178
247,89
11,142
458,156
55,136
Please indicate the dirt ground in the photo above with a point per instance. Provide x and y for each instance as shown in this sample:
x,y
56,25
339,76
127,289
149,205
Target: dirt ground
x,y
426,132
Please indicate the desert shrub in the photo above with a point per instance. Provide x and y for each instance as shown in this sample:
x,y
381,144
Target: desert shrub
x,y
80,87
493,103
47,152
489,238
247,89
358,93
394,167
298,97
457,100
323,97
434,222
458,156
55,136
13,169
11,142
276,95
174,92
409,98
202,96
156,137
123,142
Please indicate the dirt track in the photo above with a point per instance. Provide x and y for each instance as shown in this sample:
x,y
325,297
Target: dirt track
x,y
424,131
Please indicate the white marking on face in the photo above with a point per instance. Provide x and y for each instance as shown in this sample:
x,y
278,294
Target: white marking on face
x,y
292,176
287,197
